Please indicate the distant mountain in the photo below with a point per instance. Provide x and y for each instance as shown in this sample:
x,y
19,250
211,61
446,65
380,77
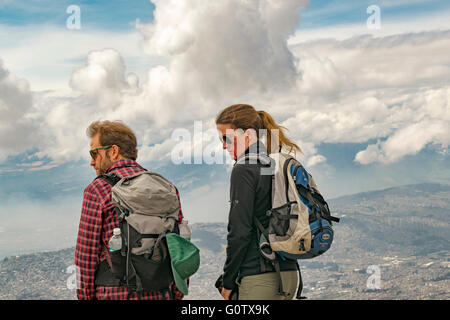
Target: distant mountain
x,y
423,190
401,232
412,218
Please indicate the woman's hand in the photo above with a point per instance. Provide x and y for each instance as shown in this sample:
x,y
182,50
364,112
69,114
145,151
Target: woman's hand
x,y
226,293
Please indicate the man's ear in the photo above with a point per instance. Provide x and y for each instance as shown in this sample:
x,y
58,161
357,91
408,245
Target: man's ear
x,y
115,152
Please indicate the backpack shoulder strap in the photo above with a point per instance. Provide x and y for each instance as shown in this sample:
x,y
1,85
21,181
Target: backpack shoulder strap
x,y
300,284
111,178
254,158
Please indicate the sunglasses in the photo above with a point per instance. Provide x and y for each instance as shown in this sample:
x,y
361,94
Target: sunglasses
x,y
226,139
94,152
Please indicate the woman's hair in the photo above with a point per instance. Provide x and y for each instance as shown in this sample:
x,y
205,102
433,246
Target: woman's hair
x,y
244,116
115,132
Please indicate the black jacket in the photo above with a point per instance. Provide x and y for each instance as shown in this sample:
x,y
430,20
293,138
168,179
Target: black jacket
x,y
250,195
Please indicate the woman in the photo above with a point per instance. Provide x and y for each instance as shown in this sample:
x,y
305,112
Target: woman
x,y
239,128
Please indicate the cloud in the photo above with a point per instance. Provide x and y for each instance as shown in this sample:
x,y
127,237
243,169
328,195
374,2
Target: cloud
x,y
61,49
381,88
407,141
239,51
40,166
320,77
314,160
219,51
16,121
224,52
410,59
422,119
103,79
355,120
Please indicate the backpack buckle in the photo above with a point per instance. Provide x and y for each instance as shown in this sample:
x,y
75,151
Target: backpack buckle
x,y
265,249
302,245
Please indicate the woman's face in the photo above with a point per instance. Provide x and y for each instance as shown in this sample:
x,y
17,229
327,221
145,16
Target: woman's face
x,y
234,141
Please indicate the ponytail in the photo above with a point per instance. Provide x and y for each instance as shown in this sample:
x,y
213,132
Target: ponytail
x,y
244,116
270,124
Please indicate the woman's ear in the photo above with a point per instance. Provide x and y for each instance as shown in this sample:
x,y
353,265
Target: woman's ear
x,y
251,135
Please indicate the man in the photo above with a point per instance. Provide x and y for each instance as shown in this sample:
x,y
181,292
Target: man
x,y
113,150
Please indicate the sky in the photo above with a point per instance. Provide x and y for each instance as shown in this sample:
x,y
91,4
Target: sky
x,y
362,86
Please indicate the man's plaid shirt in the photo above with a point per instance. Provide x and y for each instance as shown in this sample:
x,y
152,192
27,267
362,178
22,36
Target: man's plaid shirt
x,y
96,225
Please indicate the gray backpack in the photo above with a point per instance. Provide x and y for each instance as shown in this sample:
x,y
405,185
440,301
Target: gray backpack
x,y
300,224
148,208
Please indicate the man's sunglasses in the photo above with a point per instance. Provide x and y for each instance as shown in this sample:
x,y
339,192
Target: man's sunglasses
x,y
94,152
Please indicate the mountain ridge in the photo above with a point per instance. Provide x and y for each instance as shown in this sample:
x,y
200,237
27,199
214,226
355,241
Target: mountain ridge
x,y
433,185
402,231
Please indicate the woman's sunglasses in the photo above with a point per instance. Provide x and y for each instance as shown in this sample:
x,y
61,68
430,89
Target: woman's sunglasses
x,y
94,152
226,139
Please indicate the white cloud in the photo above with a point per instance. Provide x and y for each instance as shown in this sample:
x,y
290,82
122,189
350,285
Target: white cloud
x,y
411,59
382,88
355,120
314,160
432,127
39,166
239,51
16,107
103,79
320,77
46,54
224,52
220,50
421,120
157,152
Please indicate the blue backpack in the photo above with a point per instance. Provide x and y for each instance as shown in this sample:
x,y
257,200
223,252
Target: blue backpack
x,y
300,224
320,219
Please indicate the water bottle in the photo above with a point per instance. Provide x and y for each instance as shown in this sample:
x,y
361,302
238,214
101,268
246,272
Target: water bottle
x,y
115,243
185,232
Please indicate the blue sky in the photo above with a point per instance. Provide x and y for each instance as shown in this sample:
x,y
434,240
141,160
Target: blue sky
x,y
47,172
121,15
323,13
111,15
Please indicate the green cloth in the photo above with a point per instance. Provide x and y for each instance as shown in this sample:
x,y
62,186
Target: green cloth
x,y
185,260
264,286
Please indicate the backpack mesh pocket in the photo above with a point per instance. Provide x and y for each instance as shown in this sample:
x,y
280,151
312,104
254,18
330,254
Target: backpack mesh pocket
x,y
280,219
118,264
154,271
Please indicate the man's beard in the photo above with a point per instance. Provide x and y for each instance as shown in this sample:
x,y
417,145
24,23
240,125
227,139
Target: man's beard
x,y
105,165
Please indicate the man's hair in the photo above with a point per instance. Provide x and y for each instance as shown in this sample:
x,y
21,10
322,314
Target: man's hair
x,y
115,132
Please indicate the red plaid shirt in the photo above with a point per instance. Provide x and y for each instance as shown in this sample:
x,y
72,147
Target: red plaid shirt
x,y
96,225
